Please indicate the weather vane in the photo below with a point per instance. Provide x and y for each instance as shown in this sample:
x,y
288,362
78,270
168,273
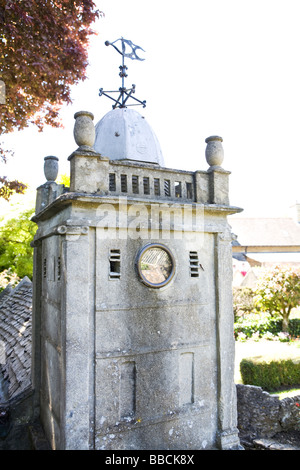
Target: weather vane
x,y
124,93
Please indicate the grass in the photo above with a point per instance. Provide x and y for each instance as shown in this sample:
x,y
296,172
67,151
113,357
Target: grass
x,y
286,393
267,350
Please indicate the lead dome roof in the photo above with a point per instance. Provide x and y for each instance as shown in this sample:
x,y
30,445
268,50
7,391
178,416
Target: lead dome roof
x,y
124,134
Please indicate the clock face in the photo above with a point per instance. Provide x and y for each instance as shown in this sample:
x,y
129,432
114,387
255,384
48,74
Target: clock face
x,y
156,265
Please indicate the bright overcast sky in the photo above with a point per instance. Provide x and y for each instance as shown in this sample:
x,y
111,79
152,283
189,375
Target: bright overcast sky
x,y
212,67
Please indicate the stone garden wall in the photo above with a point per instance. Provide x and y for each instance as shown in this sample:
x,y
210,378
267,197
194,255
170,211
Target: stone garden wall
x,y
263,415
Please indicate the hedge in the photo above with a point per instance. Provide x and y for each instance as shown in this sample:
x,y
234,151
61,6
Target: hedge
x,y
270,375
294,327
266,325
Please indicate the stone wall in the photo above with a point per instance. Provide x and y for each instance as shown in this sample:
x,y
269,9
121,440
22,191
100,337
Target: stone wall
x,y
263,415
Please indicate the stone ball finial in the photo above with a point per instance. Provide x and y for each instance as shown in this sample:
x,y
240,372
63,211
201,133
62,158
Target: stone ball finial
x,y
214,152
51,168
84,130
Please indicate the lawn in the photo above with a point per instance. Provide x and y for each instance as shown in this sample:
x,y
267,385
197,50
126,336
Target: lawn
x,y
268,350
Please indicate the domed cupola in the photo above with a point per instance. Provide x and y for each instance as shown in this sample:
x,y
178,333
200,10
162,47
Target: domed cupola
x,y
124,134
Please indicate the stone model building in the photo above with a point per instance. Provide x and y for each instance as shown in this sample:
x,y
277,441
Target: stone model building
x,y
133,319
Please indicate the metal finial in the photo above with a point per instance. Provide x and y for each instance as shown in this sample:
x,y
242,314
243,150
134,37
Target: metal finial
x,y
124,93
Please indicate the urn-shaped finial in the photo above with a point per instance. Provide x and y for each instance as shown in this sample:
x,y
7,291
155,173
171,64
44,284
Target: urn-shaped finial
x,y
51,167
84,130
214,152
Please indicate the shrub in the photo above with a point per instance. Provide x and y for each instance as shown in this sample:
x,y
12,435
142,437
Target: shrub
x,y
243,301
278,292
270,375
257,325
294,326
262,325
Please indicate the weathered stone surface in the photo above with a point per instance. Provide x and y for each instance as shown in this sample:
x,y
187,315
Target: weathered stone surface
x,y
271,444
263,415
51,168
125,326
84,130
125,365
214,152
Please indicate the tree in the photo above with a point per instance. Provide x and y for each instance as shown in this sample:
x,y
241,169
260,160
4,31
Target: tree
x,y
278,291
7,277
16,254
63,179
243,301
43,53
8,188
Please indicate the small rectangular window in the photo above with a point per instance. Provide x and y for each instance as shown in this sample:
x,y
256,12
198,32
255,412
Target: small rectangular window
x,y
124,183
177,187
146,183
112,182
58,269
194,264
114,264
156,186
135,184
45,268
189,190
167,188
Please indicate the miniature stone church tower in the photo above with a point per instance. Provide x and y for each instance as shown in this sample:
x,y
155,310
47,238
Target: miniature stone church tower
x,y
133,343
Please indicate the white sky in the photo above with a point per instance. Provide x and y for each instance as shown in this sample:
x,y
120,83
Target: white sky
x,y
213,67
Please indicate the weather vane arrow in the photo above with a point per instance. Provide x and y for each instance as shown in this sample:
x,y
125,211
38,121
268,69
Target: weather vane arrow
x,y
125,93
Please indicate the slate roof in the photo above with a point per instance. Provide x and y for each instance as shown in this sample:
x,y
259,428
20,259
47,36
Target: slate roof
x,y
15,337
